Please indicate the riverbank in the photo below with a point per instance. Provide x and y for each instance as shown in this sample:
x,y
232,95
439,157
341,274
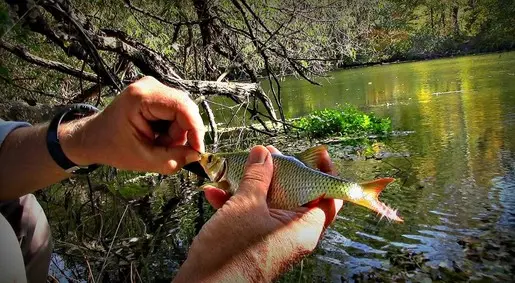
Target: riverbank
x,y
426,57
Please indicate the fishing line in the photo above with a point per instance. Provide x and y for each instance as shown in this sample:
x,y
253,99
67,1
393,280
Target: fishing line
x,y
112,242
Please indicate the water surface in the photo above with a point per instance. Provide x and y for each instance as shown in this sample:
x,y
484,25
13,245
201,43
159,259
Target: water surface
x,y
456,190
455,187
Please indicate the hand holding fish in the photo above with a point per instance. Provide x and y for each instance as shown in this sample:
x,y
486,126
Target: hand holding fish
x,y
248,241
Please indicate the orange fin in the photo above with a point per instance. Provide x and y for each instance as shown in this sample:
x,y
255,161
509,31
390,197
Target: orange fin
x,y
370,198
311,156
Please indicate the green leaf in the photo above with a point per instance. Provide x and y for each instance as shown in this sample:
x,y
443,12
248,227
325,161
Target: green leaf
x,y
4,72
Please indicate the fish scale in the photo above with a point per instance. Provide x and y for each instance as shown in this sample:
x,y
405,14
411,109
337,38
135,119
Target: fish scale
x,y
300,185
296,182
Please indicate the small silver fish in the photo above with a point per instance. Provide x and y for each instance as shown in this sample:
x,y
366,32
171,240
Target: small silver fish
x,y
296,181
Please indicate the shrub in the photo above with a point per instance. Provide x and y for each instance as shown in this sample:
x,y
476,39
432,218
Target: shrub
x,y
344,121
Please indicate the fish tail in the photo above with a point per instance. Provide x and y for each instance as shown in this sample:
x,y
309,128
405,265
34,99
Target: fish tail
x,y
370,198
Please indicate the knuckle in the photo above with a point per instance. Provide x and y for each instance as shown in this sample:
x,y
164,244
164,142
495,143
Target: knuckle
x,y
240,204
136,89
192,103
192,106
184,101
148,79
142,87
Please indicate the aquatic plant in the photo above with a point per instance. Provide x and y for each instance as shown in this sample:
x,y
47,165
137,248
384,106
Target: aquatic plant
x,y
342,121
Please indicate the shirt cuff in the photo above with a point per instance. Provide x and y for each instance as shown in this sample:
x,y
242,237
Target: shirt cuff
x,y
7,127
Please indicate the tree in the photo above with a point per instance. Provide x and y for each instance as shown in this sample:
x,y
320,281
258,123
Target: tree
x,y
106,45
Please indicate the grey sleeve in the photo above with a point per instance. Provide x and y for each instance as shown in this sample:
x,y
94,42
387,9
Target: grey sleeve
x,y
7,126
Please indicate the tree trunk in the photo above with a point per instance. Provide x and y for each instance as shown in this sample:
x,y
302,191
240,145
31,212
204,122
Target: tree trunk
x,y
432,20
456,26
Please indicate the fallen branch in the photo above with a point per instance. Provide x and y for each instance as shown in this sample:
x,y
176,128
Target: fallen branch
x,y
53,65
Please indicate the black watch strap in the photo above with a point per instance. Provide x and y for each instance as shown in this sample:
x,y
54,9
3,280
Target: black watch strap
x,y
71,112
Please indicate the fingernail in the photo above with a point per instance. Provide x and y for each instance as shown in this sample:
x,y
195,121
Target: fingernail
x,y
257,156
192,157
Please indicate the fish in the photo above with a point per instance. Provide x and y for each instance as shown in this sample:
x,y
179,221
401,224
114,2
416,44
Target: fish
x,y
296,181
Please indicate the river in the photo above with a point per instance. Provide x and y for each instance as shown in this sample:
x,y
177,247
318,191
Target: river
x,y
455,183
455,187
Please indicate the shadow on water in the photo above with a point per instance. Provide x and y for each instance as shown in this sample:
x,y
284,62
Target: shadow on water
x,y
455,186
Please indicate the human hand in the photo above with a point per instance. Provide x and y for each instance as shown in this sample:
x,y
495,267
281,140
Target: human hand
x,y
247,241
121,136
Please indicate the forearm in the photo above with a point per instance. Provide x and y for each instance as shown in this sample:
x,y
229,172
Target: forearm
x,y
26,165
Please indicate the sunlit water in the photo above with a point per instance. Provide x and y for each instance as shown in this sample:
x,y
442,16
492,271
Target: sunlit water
x,y
458,182
455,186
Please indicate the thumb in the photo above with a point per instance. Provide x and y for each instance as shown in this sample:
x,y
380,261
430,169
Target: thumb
x,y
171,159
258,174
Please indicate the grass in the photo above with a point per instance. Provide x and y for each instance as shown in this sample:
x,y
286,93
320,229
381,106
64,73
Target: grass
x,y
343,121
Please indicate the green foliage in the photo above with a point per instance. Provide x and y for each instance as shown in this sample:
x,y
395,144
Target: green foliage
x,y
4,72
5,21
411,30
318,35
343,121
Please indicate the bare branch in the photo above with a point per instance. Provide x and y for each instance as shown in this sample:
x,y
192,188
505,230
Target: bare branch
x,y
211,119
57,66
11,82
78,21
163,20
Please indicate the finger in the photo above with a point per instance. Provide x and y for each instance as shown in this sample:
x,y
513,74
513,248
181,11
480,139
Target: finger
x,y
178,134
163,140
215,196
258,174
321,215
196,139
330,208
164,103
170,159
322,210
325,164
143,129
188,119
272,149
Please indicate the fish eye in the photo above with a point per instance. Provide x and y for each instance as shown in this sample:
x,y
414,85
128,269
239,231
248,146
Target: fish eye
x,y
210,158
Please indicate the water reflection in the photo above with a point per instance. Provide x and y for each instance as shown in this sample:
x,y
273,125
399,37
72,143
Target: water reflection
x,y
505,189
461,176
455,183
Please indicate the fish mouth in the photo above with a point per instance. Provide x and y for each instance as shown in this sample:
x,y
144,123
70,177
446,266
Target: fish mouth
x,y
197,168
221,173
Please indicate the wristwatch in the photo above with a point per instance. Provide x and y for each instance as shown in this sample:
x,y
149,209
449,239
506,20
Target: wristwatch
x,y
69,113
